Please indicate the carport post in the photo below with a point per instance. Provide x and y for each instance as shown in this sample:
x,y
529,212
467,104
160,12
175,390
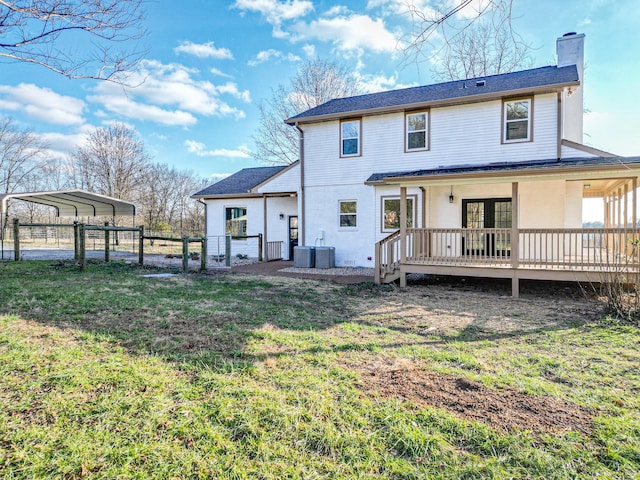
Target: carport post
x,y
203,255
16,239
106,243
185,253
141,246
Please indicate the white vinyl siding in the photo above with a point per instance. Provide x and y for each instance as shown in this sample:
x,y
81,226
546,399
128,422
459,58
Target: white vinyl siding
x,y
458,135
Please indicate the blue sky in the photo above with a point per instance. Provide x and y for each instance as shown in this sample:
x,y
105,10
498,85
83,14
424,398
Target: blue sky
x,y
210,63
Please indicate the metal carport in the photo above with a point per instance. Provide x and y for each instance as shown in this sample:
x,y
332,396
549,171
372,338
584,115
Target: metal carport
x,y
69,203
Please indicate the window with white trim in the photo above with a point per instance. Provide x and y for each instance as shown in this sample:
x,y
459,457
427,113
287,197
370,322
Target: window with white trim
x,y
517,120
236,221
417,135
391,213
350,138
348,213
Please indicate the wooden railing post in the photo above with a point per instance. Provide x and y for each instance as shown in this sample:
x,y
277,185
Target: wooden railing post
x,y
376,255
141,245
16,239
259,247
227,250
106,243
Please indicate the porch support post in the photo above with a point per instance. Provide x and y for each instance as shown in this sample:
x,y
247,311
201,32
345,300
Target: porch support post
x,y
264,227
515,241
403,235
634,204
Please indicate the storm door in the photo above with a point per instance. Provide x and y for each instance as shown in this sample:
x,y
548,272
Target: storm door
x,y
293,235
487,213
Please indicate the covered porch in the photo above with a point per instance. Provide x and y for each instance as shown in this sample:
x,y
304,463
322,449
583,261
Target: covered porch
x,y
501,236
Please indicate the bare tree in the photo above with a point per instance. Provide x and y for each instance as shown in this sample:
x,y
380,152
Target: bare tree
x,y
316,82
75,38
481,42
21,155
113,162
165,202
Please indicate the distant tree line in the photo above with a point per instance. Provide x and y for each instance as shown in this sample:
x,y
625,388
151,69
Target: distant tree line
x,y
113,162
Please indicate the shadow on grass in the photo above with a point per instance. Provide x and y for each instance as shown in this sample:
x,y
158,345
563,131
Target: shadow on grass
x,y
212,319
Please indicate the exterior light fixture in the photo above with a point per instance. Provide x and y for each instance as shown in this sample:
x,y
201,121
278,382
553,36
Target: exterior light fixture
x,y
281,216
451,195
587,186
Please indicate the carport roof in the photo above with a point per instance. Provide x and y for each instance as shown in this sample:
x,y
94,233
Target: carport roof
x,y
74,203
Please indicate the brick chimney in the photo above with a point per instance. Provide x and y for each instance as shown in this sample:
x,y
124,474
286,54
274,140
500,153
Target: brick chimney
x,y
570,51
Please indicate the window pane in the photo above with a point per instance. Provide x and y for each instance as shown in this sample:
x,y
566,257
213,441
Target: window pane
x,y
392,213
417,140
347,220
518,130
417,121
350,129
517,110
347,207
350,147
236,222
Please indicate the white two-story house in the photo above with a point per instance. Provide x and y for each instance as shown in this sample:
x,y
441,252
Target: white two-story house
x,y
483,176
477,177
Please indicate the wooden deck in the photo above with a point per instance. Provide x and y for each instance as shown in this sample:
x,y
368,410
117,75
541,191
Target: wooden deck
x,y
584,255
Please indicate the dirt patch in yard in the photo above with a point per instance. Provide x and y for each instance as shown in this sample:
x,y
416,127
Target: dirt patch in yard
x,y
505,410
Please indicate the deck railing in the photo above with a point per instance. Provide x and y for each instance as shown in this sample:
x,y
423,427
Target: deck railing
x,y
549,249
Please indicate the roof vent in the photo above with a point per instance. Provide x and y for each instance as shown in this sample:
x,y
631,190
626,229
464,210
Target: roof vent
x,y
480,83
569,34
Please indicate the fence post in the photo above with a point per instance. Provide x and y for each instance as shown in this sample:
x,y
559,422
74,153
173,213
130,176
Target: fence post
x,y
16,239
259,247
227,250
141,246
76,240
83,252
106,243
203,255
185,254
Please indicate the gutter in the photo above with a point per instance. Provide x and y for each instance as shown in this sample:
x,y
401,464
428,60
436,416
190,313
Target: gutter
x,y
301,220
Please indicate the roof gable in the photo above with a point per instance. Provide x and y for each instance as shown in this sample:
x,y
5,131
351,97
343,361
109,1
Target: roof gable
x,y
241,182
551,76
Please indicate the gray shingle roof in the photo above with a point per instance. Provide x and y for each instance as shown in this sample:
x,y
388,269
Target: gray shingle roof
x,y
241,182
493,85
511,166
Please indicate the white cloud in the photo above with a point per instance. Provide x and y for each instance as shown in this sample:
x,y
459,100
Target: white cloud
x,y
169,95
266,55
42,104
379,83
309,50
203,50
219,73
355,33
276,12
200,149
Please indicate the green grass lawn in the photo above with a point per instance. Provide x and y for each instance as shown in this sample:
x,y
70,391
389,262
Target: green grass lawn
x,y
107,374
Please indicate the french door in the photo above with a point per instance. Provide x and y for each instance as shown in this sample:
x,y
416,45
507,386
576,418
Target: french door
x,y
487,213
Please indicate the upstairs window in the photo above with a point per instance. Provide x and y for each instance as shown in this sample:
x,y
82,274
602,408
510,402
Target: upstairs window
x,y
236,221
517,120
416,124
350,138
348,213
